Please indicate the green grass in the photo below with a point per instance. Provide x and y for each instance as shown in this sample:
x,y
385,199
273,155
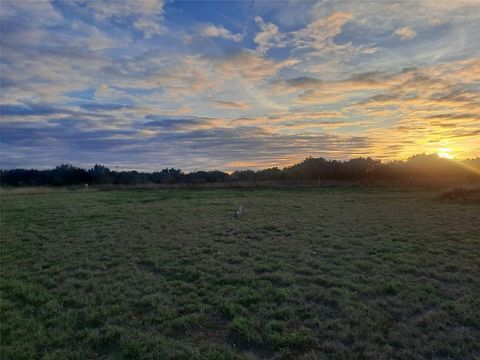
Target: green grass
x,y
328,273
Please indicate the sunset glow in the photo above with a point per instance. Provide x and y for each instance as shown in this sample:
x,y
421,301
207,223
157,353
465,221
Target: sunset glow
x,y
235,84
445,153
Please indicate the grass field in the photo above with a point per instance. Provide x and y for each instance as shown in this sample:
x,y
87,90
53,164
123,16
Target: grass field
x,y
326,273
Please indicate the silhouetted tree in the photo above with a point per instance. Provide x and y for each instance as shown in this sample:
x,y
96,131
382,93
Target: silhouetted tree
x,y
420,166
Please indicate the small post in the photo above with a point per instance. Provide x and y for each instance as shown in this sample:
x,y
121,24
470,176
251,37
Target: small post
x,y
238,212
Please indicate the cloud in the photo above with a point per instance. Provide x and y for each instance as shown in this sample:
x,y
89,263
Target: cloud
x,y
119,8
146,15
179,124
311,90
42,65
187,124
83,82
315,39
222,104
207,148
35,12
29,110
104,107
150,26
320,33
250,66
303,82
405,33
418,108
453,5
268,37
221,32
426,110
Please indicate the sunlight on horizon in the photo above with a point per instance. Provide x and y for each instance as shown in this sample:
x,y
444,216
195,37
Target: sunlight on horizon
x,y
446,153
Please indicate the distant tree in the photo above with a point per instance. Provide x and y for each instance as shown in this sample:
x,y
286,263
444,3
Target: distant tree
x,y
101,174
167,176
421,166
67,174
358,169
274,174
243,175
199,177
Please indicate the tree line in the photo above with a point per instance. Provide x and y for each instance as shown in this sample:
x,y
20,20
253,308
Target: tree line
x,y
310,170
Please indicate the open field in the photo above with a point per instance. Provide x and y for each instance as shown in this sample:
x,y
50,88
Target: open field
x,y
326,273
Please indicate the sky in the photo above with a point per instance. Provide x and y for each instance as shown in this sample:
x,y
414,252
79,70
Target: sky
x,y
236,84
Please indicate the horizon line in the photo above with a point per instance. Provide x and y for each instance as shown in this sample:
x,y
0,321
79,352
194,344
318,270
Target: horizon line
x,y
120,168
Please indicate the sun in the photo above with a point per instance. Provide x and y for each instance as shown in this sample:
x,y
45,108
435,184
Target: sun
x,y
445,153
